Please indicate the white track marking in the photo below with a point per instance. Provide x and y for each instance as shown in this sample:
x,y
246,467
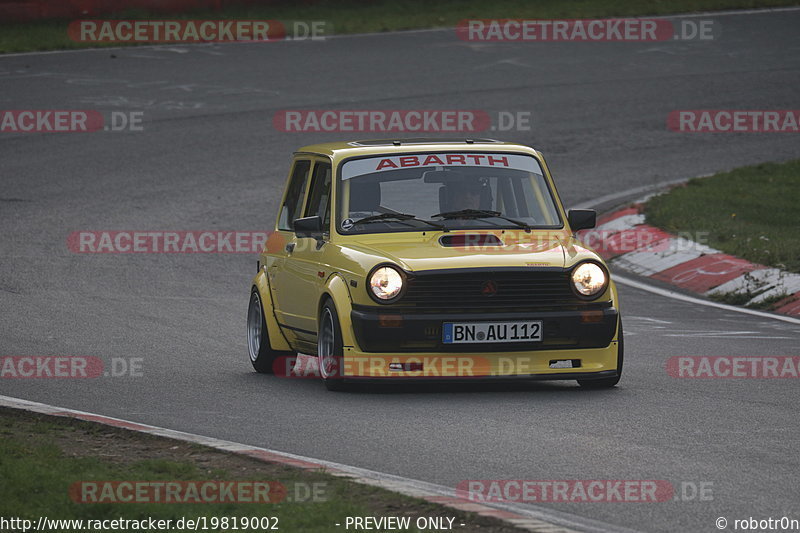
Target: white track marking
x,y
662,256
589,204
766,337
648,319
625,222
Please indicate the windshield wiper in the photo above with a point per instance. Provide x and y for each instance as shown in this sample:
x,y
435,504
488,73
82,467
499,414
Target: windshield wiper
x,y
480,213
402,217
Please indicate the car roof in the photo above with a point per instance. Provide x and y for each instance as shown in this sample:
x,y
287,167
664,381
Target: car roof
x,y
376,146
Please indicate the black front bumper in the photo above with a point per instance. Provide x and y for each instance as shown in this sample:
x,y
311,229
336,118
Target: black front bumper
x,y
379,329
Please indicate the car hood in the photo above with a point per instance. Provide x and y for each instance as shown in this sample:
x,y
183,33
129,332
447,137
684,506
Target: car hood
x,y
416,252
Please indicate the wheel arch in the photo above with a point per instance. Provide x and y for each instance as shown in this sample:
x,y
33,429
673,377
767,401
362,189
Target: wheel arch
x,y
276,339
615,299
337,291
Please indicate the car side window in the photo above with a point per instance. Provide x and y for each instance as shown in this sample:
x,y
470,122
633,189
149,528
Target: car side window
x,y
320,199
295,195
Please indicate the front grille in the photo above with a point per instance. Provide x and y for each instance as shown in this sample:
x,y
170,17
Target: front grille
x,y
482,289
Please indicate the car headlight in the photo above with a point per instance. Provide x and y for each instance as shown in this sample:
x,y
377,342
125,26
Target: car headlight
x,y
589,279
385,283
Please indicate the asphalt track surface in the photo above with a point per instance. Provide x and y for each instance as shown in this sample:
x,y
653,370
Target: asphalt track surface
x,y
209,158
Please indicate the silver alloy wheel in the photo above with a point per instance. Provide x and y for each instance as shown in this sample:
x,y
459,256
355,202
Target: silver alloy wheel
x,y
254,326
325,345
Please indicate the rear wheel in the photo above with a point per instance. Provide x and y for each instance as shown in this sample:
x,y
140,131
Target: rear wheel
x,y
607,383
330,348
262,356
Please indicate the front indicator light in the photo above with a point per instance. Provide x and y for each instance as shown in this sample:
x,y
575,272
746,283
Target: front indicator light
x,y
589,279
390,321
385,283
591,317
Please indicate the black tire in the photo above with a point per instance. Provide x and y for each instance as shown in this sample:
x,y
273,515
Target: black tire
x,y
330,348
607,383
262,356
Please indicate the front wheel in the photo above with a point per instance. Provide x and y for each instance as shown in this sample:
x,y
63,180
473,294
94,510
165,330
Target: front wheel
x,y
262,356
330,348
607,383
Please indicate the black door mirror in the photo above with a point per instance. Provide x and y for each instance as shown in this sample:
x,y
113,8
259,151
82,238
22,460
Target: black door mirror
x,y
308,227
582,219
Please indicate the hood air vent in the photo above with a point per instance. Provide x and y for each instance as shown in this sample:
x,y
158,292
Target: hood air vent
x,y
470,239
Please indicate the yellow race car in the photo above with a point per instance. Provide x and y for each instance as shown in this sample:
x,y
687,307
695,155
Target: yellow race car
x,y
432,259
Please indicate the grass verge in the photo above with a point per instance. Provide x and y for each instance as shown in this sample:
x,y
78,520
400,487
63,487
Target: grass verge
x,y
382,15
749,212
42,456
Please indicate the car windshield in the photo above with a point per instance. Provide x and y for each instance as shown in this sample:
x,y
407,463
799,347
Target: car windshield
x,y
443,191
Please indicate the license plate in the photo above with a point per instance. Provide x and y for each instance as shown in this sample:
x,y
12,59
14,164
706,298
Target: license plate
x,y
476,332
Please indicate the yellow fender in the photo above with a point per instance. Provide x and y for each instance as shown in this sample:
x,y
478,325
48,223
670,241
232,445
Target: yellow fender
x,y
276,339
336,288
615,298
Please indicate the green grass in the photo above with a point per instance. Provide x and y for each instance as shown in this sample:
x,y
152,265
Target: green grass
x,y
40,457
36,477
751,212
385,15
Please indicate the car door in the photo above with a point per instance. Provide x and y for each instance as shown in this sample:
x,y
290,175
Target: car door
x,y
302,269
291,207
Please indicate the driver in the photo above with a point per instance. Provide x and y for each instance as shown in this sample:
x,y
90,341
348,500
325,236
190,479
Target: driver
x,y
463,195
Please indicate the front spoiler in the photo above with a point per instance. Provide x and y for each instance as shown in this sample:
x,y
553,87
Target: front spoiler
x,y
486,379
587,363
